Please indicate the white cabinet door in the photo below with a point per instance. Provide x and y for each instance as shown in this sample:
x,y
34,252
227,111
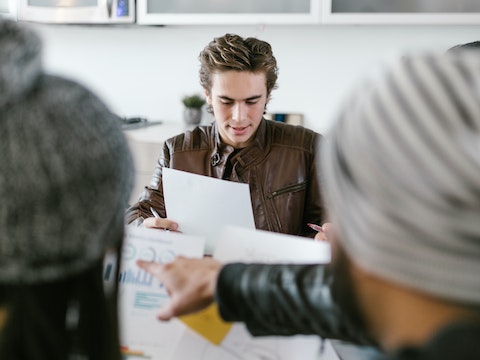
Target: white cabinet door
x,y
400,12
165,12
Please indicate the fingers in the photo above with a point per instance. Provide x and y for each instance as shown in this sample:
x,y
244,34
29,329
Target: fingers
x,y
321,236
160,223
151,267
166,312
326,232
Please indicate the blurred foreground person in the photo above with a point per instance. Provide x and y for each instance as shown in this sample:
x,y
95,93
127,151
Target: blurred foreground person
x,y
61,151
473,45
401,171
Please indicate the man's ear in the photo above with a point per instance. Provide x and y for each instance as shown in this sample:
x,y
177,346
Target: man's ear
x,y
208,97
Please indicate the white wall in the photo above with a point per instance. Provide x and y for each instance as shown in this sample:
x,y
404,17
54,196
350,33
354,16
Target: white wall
x,y
144,71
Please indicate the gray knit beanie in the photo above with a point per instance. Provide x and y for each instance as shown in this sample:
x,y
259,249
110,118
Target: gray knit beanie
x,y
402,175
65,168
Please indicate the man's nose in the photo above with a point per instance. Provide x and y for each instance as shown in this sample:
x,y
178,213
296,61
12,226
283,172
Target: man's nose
x,y
237,112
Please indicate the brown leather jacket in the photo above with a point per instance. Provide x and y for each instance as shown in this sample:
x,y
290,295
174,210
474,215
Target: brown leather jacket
x,y
279,165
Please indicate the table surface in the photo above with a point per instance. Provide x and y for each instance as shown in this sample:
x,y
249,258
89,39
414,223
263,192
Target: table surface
x,y
156,132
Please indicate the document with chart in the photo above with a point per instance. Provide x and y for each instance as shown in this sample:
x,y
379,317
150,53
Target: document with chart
x,y
143,336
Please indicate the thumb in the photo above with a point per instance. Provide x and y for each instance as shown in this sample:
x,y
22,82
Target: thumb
x,y
165,313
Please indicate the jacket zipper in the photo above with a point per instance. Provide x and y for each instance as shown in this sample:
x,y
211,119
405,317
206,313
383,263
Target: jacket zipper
x,y
292,188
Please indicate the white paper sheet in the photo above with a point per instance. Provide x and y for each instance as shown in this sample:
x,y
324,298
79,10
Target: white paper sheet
x,y
202,205
141,295
192,346
241,346
237,244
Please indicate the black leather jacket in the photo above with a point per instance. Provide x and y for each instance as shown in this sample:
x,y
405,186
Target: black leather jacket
x,y
279,165
296,299
283,300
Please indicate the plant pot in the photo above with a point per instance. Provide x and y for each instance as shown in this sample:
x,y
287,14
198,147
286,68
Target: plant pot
x,y
192,116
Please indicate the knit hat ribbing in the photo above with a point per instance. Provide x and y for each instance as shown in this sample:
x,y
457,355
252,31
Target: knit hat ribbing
x,y
402,175
65,173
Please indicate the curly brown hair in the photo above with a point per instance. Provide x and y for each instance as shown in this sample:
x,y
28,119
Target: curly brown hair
x,y
232,52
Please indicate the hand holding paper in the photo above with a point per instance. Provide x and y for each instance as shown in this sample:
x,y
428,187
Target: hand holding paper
x,y
202,205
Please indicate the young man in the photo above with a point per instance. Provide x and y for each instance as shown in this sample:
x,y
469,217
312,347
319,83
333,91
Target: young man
x,y
401,174
277,160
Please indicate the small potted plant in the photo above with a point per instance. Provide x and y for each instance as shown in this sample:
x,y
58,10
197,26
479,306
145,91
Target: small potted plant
x,y
192,113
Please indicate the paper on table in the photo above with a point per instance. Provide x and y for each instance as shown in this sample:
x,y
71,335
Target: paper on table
x,y
244,346
193,346
246,245
237,244
142,335
202,205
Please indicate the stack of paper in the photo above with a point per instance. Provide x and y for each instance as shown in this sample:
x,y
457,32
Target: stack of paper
x,y
216,216
218,338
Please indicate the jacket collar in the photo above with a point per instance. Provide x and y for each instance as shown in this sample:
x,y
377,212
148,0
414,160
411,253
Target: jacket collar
x,y
252,153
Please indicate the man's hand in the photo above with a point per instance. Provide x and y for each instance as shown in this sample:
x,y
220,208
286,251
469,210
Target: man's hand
x,y
160,223
326,233
189,282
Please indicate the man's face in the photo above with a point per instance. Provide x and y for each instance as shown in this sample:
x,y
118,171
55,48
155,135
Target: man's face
x,y
238,99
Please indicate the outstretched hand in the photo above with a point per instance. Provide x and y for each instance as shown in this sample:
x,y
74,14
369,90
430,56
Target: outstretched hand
x,y
189,282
